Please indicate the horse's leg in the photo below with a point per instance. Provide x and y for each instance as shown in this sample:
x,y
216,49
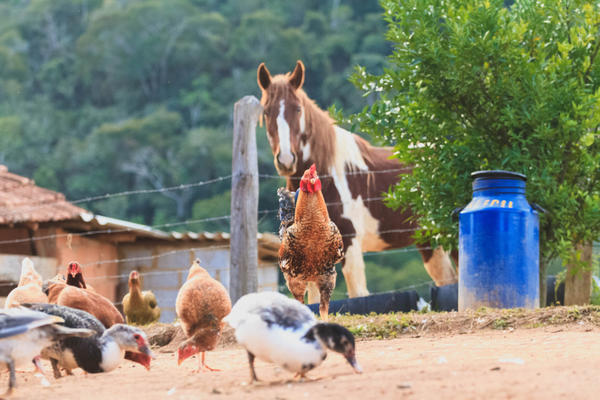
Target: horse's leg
x,y
353,269
438,265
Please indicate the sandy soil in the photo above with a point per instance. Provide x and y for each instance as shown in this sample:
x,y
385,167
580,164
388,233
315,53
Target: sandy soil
x,y
542,363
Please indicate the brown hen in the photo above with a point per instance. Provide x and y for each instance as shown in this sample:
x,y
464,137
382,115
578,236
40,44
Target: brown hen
x,y
202,303
312,245
82,299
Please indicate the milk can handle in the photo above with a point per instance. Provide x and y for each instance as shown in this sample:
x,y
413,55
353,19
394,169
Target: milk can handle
x,y
455,213
538,208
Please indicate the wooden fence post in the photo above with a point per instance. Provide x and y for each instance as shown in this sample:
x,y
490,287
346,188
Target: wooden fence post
x,y
244,199
578,282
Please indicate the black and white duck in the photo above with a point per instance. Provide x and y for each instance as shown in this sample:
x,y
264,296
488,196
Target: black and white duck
x,y
285,332
101,352
23,335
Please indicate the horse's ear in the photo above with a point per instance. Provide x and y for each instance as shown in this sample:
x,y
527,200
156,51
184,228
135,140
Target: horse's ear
x,y
263,76
297,77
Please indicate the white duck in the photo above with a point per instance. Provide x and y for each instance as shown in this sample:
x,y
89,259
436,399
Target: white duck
x,y
285,332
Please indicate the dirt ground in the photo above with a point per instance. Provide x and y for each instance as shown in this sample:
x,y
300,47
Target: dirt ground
x,y
549,362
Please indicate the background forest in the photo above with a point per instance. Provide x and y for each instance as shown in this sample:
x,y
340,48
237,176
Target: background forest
x,y
105,96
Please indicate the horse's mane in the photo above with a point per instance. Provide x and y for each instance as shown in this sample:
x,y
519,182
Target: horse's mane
x,y
322,137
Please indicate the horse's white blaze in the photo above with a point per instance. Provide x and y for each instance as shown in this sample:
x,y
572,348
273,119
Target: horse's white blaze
x,y
439,267
305,151
283,129
302,121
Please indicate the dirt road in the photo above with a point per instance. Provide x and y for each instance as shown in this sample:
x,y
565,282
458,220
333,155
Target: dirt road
x,y
542,363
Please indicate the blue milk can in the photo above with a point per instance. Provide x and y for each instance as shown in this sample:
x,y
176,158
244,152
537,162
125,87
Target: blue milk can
x,y
498,244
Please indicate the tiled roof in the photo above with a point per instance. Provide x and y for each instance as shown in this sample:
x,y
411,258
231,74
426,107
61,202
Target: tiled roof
x,y
268,243
22,201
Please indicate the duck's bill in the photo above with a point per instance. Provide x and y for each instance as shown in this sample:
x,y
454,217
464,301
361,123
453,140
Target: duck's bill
x,y
144,349
140,358
352,360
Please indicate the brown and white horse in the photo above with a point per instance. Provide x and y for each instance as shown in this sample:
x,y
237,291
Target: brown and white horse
x,y
353,173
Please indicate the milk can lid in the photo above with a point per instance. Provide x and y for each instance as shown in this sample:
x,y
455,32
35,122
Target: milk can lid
x,y
498,174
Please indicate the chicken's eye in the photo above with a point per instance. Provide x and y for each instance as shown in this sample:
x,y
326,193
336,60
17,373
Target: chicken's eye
x,y
136,337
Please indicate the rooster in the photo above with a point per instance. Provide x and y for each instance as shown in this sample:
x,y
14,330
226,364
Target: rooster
x,y
75,276
312,245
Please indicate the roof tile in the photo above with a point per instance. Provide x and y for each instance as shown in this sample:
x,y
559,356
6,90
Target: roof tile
x,y
22,201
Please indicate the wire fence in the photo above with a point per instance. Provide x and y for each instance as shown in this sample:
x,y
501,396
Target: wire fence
x,y
109,231
190,222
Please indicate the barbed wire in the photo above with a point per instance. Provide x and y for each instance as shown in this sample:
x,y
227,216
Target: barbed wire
x,y
106,196
159,226
195,221
176,251
133,259
117,230
184,186
350,173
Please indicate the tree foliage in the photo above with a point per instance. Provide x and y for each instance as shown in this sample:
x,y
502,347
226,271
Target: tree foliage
x,y
105,96
478,85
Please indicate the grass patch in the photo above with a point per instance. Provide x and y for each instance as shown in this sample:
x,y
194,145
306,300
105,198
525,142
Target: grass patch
x,y
386,326
393,325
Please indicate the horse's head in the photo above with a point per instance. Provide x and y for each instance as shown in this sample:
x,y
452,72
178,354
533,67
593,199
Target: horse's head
x,y
284,115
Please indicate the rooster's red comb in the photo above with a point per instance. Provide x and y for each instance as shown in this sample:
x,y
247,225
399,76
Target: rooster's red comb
x,y
313,169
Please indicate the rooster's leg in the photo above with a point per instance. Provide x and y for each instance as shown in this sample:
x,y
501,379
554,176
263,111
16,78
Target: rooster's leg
x,y
297,287
326,285
313,293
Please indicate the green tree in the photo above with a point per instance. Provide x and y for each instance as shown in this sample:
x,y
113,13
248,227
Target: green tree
x,y
476,85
